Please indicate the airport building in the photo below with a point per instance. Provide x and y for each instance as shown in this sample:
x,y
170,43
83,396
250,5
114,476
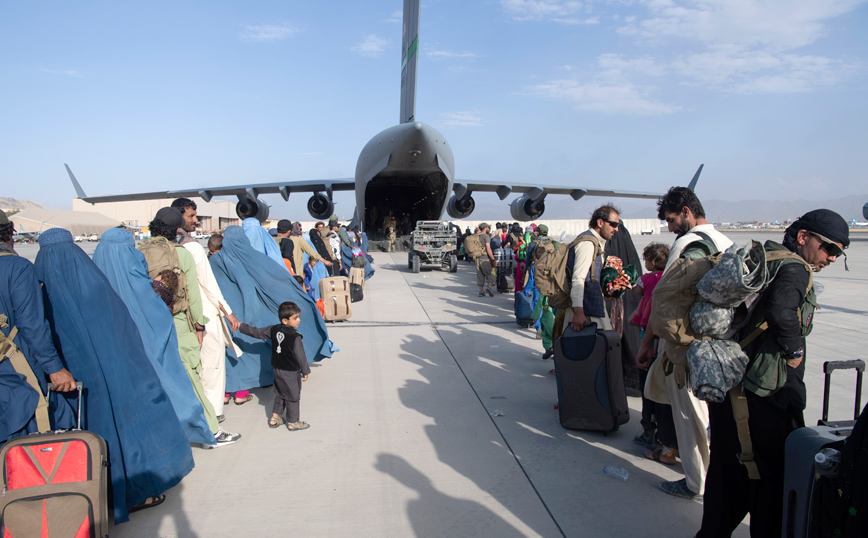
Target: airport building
x,y
214,215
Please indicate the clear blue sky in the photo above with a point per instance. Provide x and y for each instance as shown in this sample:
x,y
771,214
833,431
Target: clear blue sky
x,y
139,96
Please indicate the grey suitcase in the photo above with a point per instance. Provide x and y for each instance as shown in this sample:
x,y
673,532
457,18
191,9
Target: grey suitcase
x,y
590,378
801,480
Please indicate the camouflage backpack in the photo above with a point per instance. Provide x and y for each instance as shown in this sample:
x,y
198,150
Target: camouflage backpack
x,y
550,270
160,254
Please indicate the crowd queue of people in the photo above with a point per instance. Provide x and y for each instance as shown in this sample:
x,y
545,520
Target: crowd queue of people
x,y
675,423
163,312
147,330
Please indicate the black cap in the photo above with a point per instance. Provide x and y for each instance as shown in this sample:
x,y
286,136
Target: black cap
x,y
826,223
283,226
171,217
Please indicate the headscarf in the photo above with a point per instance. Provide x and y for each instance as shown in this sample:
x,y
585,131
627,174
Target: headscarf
x,y
255,289
316,239
261,241
127,272
101,347
296,230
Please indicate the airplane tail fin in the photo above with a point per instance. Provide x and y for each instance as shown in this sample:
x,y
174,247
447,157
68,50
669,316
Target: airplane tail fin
x,y
409,54
79,192
692,185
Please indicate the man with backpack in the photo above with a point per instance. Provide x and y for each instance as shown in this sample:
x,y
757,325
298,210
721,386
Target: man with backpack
x,y
216,337
478,247
586,293
775,334
163,254
696,238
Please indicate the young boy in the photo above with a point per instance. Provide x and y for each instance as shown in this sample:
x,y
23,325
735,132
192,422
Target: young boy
x,y
289,363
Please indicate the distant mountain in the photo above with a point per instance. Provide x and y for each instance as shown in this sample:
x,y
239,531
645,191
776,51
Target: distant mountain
x,y
12,203
563,207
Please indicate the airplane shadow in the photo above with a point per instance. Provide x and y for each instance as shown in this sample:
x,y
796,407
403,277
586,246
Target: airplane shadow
x,y
433,513
560,464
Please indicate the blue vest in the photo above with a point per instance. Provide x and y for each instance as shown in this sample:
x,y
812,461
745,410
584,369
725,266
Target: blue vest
x,y
593,302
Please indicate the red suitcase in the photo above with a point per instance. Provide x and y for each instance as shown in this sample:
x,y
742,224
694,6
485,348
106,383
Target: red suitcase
x,y
54,485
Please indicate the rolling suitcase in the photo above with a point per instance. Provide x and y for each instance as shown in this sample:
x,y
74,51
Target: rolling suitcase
x,y
55,484
505,282
591,393
357,276
356,293
523,310
335,293
801,479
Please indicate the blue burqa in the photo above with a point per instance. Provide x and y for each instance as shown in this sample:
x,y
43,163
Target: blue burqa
x,y
127,271
262,241
254,288
124,401
347,259
21,302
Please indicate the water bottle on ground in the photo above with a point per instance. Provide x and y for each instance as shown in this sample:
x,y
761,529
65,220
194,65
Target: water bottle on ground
x,y
826,461
617,472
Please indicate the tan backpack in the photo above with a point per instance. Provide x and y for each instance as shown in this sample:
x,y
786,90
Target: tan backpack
x,y
550,271
160,254
473,245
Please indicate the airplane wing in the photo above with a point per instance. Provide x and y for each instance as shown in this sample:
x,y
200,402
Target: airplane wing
x,y
460,187
284,188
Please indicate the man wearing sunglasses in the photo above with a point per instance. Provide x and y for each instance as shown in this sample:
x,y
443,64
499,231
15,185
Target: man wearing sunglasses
x,y
787,305
586,294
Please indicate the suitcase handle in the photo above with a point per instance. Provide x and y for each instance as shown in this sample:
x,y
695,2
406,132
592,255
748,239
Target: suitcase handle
x,y
78,386
831,366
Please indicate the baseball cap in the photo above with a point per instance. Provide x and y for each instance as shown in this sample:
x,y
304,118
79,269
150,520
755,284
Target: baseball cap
x,y
170,216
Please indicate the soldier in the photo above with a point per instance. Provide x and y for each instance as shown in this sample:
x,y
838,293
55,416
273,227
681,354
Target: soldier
x,y
392,238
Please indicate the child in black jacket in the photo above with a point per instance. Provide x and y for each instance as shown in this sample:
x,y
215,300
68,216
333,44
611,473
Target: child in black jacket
x,y
289,362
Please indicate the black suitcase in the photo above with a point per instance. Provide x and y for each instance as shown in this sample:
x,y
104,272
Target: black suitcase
x,y
356,293
590,378
55,484
801,480
505,283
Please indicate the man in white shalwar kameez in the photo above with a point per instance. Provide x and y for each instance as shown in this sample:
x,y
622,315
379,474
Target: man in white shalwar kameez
x,y
217,337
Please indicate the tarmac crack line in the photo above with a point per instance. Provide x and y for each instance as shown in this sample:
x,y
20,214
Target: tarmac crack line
x,y
482,404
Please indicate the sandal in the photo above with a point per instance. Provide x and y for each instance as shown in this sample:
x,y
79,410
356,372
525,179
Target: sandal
x,y
295,426
244,401
663,455
150,502
226,400
275,422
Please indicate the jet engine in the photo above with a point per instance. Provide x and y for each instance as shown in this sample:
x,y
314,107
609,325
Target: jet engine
x,y
460,208
524,209
320,206
252,207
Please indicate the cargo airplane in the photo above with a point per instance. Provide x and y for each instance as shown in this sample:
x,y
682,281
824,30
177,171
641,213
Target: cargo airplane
x,y
407,169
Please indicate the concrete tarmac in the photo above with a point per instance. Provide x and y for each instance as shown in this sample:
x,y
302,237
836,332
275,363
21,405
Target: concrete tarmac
x,y
404,440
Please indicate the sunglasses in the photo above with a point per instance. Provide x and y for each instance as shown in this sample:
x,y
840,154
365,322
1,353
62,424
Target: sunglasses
x,y
612,224
831,248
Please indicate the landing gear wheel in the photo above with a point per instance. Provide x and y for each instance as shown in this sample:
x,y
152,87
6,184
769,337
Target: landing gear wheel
x,y
453,263
416,263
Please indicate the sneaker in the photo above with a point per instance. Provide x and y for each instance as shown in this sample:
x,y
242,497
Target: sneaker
x,y
646,439
481,294
220,418
678,488
489,292
225,438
